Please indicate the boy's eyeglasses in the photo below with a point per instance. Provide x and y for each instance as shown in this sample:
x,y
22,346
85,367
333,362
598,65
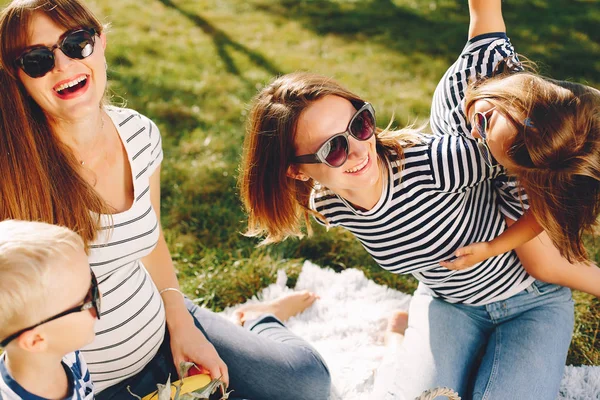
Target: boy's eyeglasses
x,y
78,44
92,299
334,152
480,123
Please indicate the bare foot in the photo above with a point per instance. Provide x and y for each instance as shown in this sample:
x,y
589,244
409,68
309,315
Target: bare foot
x,y
398,322
396,326
283,308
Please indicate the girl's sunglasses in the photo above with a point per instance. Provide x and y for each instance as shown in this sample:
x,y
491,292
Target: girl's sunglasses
x,y
92,299
334,152
37,61
480,123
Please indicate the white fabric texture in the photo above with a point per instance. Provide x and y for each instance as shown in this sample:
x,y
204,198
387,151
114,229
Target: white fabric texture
x,y
346,325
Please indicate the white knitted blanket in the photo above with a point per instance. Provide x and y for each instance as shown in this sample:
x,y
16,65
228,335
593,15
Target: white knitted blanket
x,y
346,326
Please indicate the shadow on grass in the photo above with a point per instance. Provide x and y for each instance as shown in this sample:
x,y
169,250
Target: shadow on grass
x,y
167,104
223,43
378,21
560,35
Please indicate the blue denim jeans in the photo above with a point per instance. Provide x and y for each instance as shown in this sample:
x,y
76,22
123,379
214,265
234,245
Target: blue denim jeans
x,y
264,359
511,349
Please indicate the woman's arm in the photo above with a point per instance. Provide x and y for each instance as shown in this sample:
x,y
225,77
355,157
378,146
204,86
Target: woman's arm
x,y
187,341
485,17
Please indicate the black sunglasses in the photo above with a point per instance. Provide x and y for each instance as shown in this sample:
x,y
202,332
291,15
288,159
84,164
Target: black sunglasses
x,y
480,123
78,44
92,299
334,152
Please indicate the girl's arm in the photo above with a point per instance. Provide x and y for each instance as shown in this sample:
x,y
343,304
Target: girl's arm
x,y
485,17
187,342
543,261
517,234
539,256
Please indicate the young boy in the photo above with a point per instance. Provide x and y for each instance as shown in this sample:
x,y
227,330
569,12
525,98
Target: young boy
x,y
49,303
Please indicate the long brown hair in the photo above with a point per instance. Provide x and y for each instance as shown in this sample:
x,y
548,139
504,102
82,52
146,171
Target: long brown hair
x,y
40,181
277,204
556,151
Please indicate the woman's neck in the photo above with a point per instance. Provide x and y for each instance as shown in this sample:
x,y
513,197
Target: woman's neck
x,y
87,138
40,374
366,199
80,134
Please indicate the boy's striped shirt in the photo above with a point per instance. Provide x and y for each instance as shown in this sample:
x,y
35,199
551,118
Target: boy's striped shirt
x,y
78,377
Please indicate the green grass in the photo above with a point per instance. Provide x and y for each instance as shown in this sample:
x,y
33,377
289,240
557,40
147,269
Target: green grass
x,y
193,66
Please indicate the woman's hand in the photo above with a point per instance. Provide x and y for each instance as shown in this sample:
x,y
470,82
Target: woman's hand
x,y
187,341
189,344
469,255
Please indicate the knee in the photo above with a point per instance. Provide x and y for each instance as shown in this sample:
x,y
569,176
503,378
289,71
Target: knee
x,y
312,379
318,378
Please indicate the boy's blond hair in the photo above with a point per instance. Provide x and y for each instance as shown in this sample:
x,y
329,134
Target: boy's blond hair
x,y
27,250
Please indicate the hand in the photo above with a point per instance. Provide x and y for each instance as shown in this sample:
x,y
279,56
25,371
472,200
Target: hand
x,y
469,255
189,344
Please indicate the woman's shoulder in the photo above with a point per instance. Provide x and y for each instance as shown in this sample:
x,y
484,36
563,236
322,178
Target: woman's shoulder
x,y
418,142
321,198
130,124
139,134
435,146
320,193
124,114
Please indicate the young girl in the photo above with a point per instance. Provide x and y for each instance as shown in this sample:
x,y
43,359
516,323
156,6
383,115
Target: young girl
x,y
412,199
546,134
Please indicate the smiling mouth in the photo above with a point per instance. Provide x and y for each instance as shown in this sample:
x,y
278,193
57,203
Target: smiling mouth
x,y
359,167
72,86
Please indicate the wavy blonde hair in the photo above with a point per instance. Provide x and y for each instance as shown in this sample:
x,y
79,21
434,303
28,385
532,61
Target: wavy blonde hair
x,y
556,151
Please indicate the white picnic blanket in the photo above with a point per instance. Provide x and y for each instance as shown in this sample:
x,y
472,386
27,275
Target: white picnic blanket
x,y
347,323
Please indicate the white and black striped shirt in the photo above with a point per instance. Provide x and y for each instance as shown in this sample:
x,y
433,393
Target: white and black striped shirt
x,y
479,58
445,197
132,324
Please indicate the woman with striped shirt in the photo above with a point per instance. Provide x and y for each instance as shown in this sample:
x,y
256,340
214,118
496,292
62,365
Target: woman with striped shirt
x,y
312,148
70,160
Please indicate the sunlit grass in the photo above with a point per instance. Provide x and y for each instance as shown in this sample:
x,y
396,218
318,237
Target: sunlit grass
x,y
194,65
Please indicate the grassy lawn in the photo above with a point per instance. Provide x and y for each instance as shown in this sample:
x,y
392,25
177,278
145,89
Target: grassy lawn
x,y
193,66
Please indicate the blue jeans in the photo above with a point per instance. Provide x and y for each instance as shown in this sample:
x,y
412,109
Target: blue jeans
x,y
511,349
264,359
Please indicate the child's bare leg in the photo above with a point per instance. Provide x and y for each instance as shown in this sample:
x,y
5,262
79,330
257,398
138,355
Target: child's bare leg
x,y
542,260
394,332
283,308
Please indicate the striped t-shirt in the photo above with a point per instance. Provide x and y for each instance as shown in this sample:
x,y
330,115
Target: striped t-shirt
x,y
439,197
480,58
132,324
78,376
